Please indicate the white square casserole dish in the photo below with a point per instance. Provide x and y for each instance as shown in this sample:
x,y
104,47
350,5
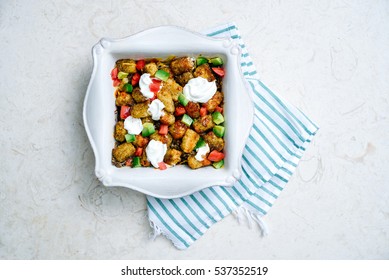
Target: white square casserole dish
x,y
99,111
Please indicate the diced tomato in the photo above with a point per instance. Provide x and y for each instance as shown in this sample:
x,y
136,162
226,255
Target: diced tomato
x,y
206,162
135,79
163,129
155,85
215,156
125,111
219,109
180,110
129,162
138,152
162,165
114,73
203,111
140,64
116,82
219,71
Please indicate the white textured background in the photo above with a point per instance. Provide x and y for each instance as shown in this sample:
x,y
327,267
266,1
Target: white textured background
x,y
329,58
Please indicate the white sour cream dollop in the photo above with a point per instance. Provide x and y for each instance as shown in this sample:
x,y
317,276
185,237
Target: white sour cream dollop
x,y
144,84
155,152
133,125
199,90
202,152
156,109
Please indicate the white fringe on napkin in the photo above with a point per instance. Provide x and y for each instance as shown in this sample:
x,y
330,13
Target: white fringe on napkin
x,y
243,212
156,231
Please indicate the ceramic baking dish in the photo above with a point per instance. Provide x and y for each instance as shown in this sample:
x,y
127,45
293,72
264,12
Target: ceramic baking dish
x,y
99,111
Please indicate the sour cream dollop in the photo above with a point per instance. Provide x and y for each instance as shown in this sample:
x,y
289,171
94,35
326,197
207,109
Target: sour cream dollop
x,y
199,90
156,109
144,84
156,151
133,125
202,152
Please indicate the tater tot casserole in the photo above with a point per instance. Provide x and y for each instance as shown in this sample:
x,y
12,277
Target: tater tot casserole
x,y
169,112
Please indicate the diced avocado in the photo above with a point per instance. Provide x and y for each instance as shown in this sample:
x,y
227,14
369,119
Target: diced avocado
x,y
127,88
122,75
217,117
216,61
218,164
200,143
187,120
201,60
148,129
182,99
162,75
219,130
129,138
136,162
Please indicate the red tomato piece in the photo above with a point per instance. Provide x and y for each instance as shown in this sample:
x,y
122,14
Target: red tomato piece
x,y
129,162
125,111
140,64
180,110
114,73
116,82
203,111
219,109
135,79
219,71
155,85
162,165
163,129
215,156
138,152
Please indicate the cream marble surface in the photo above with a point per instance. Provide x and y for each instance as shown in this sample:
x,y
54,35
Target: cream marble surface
x,y
329,58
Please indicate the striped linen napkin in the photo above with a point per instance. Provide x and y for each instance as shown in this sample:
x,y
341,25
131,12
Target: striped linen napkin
x,y
278,139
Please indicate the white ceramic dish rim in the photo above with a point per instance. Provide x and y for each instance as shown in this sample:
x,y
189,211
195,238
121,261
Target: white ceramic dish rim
x,y
99,117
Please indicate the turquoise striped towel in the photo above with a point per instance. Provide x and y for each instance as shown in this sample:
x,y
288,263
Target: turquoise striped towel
x,y
278,139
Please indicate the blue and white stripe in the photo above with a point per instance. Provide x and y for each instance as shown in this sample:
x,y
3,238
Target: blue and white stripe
x,y
278,139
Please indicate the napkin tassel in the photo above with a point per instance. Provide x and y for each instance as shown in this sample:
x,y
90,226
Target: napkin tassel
x,y
250,218
264,229
156,231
